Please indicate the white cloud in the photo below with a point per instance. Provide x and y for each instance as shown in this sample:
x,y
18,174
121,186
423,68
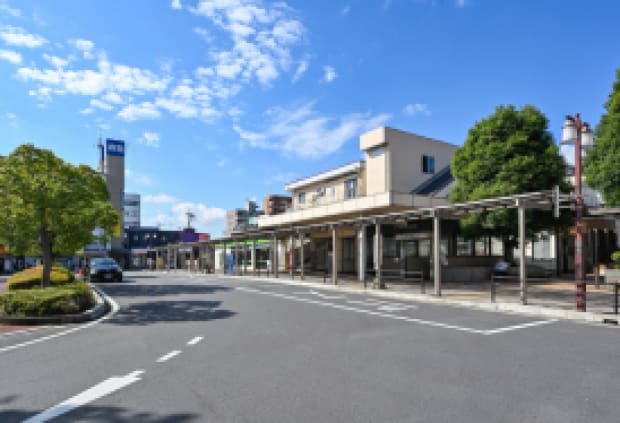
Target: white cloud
x,y
176,4
11,116
204,34
301,70
181,109
100,104
461,3
150,139
57,62
145,110
16,36
330,74
112,98
85,46
305,133
262,38
416,109
6,9
204,215
345,10
87,111
159,199
11,56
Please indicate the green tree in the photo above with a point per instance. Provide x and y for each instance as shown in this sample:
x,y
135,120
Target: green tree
x,y
602,164
510,152
49,207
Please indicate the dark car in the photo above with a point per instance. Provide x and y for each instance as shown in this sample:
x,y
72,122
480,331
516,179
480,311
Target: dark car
x,y
105,269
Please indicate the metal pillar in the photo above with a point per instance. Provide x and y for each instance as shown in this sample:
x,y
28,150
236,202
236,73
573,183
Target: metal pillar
x,y
168,255
596,260
334,257
522,261
245,257
361,251
275,256
301,255
253,254
225,258
291,256
237,259
436,254
379,284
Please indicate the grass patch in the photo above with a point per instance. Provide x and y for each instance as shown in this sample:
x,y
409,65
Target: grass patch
x,y
69,298
31,278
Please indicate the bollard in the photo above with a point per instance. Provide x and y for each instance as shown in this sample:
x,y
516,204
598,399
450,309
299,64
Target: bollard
x,y
492,289
616,298
423,285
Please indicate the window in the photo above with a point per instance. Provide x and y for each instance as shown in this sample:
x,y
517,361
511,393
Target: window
x,y
301,198
320,192
350,188
376,152
428,164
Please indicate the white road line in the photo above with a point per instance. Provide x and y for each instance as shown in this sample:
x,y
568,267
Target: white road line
x,y
98,391
27,331
168,356
403,318
364,311
195,340
522,326
115,308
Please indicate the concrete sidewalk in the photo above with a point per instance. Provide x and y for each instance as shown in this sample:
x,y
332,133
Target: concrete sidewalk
x,y
553,298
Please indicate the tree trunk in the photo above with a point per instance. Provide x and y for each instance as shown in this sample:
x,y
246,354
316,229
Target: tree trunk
x,y
46,248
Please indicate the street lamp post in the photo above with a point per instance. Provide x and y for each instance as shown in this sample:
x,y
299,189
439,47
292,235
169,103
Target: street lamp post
x,y
575,131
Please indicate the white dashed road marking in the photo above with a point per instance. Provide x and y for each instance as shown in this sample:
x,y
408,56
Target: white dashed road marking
x,y
168,356
98,391
195,340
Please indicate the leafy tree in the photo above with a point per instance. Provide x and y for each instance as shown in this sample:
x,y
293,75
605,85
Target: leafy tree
x,y
510,152
49,207
602,164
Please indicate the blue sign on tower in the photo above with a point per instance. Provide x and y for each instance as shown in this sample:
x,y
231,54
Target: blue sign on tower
x,y
115,147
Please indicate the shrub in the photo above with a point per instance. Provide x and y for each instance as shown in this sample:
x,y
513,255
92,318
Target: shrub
x,y
64,299
31,278
615,257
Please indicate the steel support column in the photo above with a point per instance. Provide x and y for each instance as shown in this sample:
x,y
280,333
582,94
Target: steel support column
x,y
253,254
301,255
522,260
379,284
361,251
436,254
334,257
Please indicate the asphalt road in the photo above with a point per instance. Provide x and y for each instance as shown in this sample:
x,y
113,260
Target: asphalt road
x,y
212,349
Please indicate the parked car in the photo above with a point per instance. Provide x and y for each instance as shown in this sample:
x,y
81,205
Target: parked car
x,y
105,269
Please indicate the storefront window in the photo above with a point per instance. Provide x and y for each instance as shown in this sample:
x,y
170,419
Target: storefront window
x,y
463,247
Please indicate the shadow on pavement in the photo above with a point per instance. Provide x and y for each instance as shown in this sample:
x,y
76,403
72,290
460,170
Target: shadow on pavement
x,y
120,289
102,414
169,311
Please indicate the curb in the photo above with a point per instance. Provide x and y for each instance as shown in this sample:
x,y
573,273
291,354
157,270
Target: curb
x,y
551,313
100,308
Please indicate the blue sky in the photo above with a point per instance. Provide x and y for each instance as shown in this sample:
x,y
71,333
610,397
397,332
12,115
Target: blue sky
x,y
220,101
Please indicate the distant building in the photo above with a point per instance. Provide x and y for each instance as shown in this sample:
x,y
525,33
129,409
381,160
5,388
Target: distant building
x,y
240,220
277,204
131,210
141,242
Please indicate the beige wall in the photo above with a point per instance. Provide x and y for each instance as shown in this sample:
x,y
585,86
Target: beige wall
x,y
334,192
399,167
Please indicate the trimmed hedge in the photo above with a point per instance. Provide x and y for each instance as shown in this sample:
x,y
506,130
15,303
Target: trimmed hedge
x,y
31,278
65,299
